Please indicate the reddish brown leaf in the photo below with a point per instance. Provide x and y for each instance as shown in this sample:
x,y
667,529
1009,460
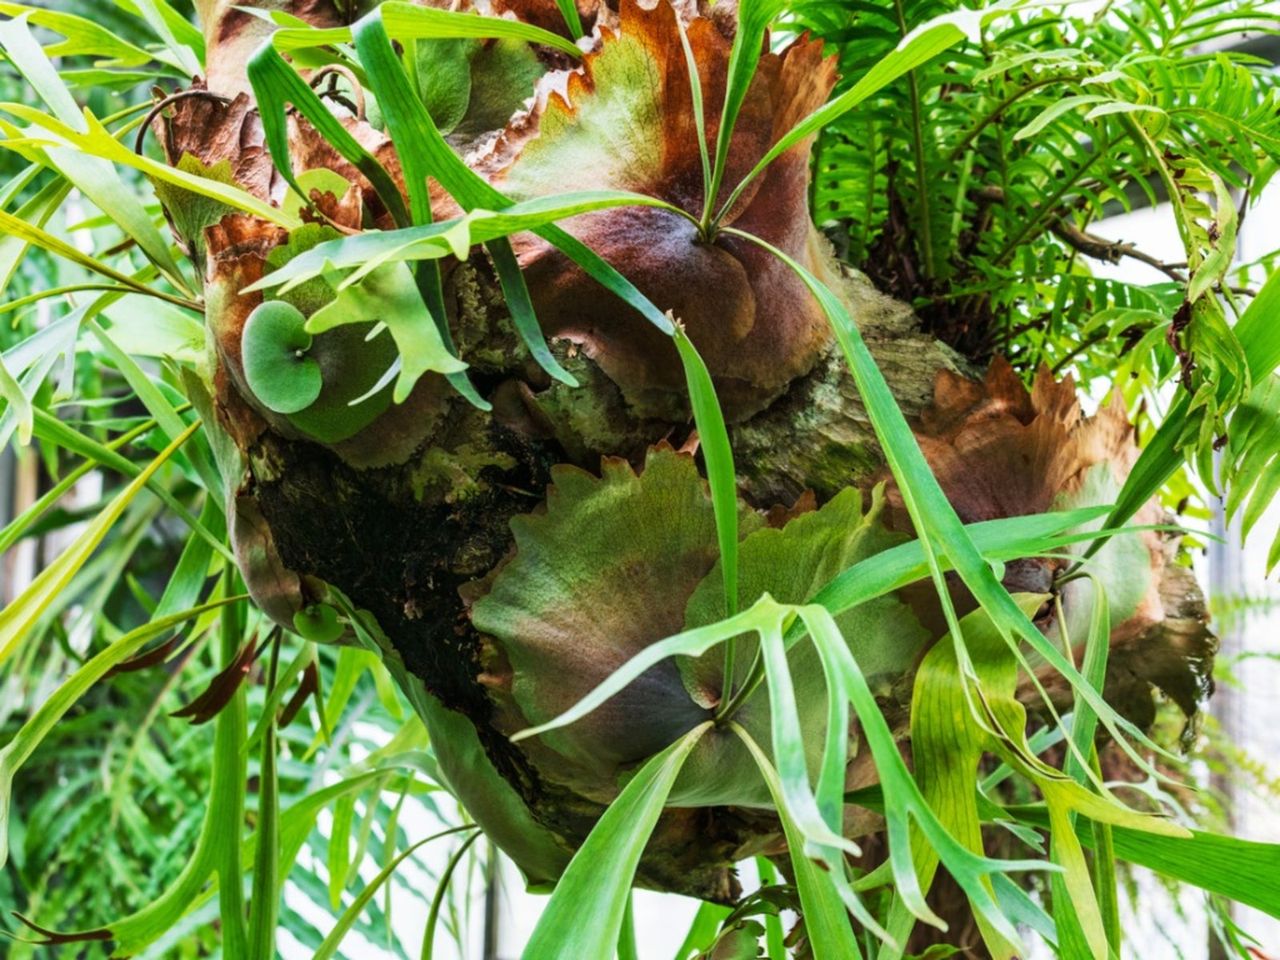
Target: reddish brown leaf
x,y
54,938
310,686
153,657
222,687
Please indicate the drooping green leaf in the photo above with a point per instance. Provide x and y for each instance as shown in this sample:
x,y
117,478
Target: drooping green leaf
x,y
437,899
826,922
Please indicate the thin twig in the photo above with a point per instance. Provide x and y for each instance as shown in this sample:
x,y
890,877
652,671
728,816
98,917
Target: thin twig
x,y
168,102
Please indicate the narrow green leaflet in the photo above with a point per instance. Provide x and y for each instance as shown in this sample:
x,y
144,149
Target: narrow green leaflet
x,y
1084,723
36,211
585,914
437,900
161,409
523,316
187,51
569,10
754,17
333,941
52,430
225,818
816,817
1259,337
917,48
13,226
19,403
1097,931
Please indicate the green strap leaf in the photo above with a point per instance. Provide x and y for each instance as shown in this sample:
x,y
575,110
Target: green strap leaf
x,y
585,914
407,21
225,817
407,120
713,435
825,920
569,10
264,902
52,430
516,291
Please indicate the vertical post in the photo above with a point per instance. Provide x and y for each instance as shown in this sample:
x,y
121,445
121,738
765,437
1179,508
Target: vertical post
x,y
492,894
1226,580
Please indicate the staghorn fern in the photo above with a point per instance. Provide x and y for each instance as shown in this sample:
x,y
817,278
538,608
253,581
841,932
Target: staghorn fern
x,y
369,475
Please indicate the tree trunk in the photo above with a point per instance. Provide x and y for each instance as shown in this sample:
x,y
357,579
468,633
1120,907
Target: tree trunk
x,y
409,516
